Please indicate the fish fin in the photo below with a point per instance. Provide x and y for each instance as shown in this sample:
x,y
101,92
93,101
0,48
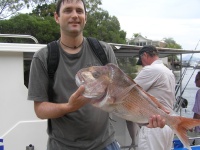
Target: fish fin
x,y
158,104
181,128
155,101
123,93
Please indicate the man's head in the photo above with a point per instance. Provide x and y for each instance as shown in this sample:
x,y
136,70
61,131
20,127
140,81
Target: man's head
x,y
147,55
62,1
197,79
71,16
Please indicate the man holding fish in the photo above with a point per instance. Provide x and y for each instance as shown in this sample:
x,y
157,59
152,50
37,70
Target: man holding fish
x,y
156,79
75,123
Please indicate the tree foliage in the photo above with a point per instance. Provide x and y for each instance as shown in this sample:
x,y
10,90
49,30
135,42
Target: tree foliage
x,y
41,24
44,10
45,29
128,65
104,27
101,25
11,7
171,43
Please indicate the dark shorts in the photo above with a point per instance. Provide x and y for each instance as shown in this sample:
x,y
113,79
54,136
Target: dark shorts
x,y
113,146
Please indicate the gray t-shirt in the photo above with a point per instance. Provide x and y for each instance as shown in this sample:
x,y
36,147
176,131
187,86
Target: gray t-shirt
x,y
88,128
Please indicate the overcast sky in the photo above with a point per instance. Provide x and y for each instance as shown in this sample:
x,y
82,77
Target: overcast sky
x,y
157,19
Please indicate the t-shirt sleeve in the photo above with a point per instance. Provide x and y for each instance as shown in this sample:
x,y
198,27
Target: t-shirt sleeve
x,y
109,52
196,108
38,81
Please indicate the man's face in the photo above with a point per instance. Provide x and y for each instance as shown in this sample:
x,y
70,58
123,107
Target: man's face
x,y
72,18
144,57
197,81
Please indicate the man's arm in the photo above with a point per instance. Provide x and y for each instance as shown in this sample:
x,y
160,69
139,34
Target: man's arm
x,y
154,122
47,110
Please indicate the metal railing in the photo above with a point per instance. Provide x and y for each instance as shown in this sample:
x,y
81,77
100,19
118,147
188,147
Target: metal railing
x,y
20,36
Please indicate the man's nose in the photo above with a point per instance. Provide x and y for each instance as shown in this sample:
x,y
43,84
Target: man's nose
x,y
74,14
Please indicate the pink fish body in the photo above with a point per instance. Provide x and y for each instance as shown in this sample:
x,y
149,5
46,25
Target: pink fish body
x,y
113,91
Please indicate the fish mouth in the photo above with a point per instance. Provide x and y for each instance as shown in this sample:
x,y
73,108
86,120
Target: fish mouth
x,y
99,99
79,80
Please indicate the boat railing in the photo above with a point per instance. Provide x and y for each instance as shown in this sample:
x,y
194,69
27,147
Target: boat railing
x,y
19,123
20,36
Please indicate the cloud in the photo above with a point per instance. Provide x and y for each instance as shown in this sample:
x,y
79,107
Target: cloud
x,y
157,19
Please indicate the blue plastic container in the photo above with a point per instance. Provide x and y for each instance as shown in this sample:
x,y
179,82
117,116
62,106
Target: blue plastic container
x,y
1,144
177,143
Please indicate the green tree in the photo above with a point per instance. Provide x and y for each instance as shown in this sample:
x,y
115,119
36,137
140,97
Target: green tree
x,y
128,65
11,7
171,43
104,27
44,10
101,25
45,29
41,24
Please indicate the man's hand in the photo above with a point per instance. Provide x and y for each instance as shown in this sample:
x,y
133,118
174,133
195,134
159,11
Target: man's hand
x,y
76,100
156,121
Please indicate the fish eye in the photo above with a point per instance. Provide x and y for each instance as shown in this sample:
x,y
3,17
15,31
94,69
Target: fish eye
x,y
95,74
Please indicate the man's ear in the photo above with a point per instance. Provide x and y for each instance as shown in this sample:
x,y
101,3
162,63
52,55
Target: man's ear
x,y
56,17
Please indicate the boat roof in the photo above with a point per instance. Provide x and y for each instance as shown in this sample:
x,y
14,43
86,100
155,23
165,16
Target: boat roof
x,y
121,50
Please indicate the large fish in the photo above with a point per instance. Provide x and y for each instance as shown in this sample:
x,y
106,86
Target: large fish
x,y
113,91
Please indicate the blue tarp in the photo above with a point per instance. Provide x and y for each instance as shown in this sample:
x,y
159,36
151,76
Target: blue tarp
x,y
193,148
1,144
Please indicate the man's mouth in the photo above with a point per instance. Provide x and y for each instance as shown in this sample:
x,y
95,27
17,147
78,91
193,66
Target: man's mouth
x,y
75,23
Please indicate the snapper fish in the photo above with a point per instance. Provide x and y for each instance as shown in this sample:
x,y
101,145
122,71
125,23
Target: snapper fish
x,y
113,91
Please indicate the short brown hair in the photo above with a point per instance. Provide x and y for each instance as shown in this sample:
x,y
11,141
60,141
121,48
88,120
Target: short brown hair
x,y
62,1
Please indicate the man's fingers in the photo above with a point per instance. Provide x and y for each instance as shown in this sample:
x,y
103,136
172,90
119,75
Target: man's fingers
x,y
156,121
160,121
167,111
79,92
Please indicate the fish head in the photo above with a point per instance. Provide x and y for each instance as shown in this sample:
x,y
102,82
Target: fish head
x,y
105,85
95,80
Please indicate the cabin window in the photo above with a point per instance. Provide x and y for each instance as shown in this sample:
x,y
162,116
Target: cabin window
x,y
27,64
140,43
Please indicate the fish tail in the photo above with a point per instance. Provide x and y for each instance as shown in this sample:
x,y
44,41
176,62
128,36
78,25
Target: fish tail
x,y
181,126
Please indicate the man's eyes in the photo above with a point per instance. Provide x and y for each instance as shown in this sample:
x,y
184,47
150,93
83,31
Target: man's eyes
x,y
67,10
79,11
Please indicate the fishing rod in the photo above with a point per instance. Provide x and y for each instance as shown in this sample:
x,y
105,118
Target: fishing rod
x,y
184,72
180,100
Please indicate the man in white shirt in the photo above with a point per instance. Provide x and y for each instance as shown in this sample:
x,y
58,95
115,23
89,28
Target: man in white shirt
x,y
156,79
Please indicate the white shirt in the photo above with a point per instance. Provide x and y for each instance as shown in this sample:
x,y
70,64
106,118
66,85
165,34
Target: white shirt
x,y
159,81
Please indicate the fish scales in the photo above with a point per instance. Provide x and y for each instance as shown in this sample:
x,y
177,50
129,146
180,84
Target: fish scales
x,y
133,104
111,90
